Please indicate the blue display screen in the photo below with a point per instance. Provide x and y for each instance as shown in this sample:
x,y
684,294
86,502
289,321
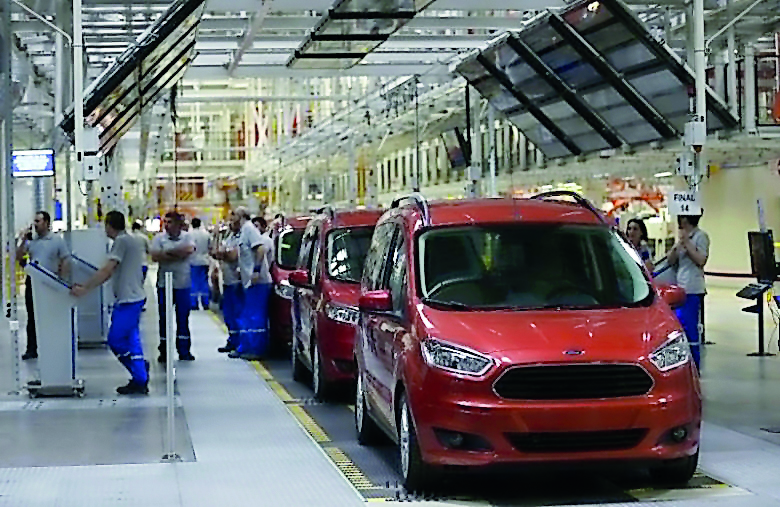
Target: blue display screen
x,y
31,163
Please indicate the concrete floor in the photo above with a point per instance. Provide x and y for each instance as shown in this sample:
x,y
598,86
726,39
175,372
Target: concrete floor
x,y
245,448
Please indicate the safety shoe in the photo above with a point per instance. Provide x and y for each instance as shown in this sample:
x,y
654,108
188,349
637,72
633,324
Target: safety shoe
x,y
29,355
162,358
226,348
133,387
234,354
186,357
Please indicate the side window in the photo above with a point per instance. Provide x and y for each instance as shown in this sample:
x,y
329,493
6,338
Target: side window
x,y
397,280
377,254
314,259
304,257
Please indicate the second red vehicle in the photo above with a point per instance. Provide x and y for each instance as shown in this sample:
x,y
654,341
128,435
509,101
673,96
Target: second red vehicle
x,y
325,300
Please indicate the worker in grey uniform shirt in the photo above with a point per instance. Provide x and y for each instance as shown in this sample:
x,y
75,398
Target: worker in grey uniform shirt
x,y
172,249
51,253
199,265
124,267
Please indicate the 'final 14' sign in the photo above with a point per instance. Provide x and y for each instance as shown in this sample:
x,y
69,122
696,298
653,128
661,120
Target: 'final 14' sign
x,y
684,203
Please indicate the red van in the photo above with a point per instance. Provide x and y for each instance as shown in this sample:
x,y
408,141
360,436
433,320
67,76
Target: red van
x,y
287,245
327,288
505,331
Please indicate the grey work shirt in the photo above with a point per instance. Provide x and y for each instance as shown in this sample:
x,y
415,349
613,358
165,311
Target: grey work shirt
x,y
143,239
690,276
230,275
48,251
248,241
265,269
200,239
128,279
180,268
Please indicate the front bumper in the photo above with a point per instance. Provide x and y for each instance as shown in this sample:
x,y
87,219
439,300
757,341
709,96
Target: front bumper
x,y
457,405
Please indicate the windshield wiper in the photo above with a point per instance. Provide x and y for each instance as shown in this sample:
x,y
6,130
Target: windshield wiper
x,y
447,304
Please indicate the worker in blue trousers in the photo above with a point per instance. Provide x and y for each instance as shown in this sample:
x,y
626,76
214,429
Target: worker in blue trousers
x,y
199,266
172,249
256,281
227,253
124,268
689,255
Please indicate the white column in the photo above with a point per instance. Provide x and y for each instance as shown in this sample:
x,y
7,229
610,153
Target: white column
x,y
749,112
731,72
523,147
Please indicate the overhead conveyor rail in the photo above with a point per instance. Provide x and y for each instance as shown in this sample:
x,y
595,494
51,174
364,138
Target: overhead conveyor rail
x,y
587,79
141,75
351,30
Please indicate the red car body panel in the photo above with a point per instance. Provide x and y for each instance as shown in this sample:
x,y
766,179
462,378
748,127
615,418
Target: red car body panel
x,y
389,355
336,340
280,308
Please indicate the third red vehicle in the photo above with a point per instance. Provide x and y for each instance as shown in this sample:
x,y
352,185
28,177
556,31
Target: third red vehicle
x,y
506,331
287,244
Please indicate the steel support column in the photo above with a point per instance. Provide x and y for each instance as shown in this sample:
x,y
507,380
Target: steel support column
x,y
749,112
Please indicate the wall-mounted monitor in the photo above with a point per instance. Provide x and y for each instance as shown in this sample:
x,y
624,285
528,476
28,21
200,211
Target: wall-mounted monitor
x,y
30,163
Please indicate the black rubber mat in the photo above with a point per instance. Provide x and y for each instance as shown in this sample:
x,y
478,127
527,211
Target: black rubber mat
x,y
374,470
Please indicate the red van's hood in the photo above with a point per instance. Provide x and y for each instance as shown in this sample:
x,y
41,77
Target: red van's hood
x,y
342,293
553,335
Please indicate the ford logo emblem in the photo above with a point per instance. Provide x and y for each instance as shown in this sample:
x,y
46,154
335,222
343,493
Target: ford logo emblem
x,y
574,352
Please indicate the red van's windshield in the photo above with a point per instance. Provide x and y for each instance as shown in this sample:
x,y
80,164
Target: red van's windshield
x,y
528,266
347,250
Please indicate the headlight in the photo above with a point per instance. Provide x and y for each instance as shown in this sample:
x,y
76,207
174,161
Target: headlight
x,y
284,290
344,314
456,359
672,354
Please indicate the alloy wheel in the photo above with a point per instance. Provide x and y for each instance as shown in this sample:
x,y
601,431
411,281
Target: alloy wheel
x,y
359,403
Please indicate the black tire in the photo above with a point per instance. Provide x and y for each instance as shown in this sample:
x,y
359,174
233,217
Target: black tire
x,y
323,388
675,473
417,475
368,433
298,368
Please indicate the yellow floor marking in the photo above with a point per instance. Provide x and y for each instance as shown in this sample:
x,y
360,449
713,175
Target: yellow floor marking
x,y
349,469
262,370
309,424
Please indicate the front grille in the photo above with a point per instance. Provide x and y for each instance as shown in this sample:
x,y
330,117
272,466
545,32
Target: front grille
x,y
573,382
582,441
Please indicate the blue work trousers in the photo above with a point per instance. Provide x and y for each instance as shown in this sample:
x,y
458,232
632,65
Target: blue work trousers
x,y
124,339
181,303
200,291
253,340
688,315
232,305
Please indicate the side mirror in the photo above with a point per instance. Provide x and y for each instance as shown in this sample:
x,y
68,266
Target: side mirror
x,y
673,295
299,278
376,301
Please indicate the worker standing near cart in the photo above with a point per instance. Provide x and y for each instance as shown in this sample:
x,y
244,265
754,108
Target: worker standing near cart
x,y
51,252
172,249
124,268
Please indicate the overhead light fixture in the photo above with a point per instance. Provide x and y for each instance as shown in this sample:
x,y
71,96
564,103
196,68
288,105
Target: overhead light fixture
x,y
664,174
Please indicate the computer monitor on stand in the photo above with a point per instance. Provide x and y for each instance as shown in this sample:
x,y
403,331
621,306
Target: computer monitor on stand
x,y
764,268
